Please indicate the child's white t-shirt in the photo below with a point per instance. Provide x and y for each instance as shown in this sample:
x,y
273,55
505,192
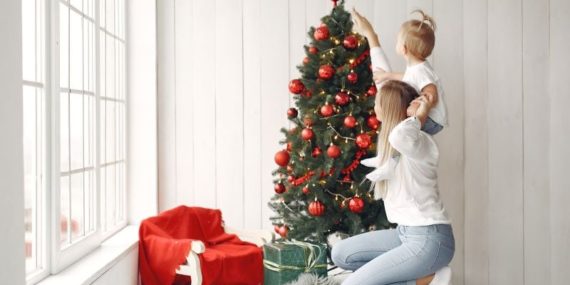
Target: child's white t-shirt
x,y
419,76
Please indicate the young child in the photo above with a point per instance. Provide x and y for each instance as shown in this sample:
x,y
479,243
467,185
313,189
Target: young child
x,y
415,43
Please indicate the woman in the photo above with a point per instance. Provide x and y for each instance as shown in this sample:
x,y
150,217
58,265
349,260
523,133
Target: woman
x,y
423,242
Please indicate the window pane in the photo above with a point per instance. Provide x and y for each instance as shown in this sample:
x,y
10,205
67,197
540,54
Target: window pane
x,y
64,131
76,51
89,131
65,218
76,131
110,65
63,45
110,195
89,64
110,132
109,15
77,206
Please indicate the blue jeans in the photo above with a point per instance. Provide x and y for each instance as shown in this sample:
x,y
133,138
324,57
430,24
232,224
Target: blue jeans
x,y
395,256
431,127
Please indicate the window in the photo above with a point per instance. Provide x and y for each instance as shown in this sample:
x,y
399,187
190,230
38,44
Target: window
x,y
74,128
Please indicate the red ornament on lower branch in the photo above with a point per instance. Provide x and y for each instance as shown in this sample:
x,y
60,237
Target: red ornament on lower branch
x,y
279,188
316,208
356,205
283,231
363,141
282,158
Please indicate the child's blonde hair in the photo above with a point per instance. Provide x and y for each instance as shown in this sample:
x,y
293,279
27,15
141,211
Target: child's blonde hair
x,y
418,36
394,98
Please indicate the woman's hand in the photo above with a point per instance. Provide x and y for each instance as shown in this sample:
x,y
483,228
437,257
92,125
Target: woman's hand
x,y
363,27
423,106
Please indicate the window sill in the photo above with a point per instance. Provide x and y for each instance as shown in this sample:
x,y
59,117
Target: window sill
x,y
92,266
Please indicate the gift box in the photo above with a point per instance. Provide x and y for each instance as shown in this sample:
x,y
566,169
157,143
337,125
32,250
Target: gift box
x,y
285,261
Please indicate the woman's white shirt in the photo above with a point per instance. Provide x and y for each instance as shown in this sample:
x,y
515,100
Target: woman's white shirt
x,y
412,197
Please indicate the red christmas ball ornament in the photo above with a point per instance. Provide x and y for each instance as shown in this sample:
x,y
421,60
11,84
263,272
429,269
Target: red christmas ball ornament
x,y
341,98
313,50
290,178
356,205
279,188
316,208
292,113
282,158
363,141
349,122
352,77
307,134
317,151
306,60
326,72
296,86
321,33
306,190
372,91
350,42
276,228
307,94
333,151
327,110
373,122
283,231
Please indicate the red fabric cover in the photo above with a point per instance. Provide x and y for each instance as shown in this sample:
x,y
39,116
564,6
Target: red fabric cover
x,y
165,243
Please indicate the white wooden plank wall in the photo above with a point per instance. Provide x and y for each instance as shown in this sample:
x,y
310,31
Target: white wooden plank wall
x,y
223,73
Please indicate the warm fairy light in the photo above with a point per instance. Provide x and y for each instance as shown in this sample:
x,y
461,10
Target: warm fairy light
x,y
351,61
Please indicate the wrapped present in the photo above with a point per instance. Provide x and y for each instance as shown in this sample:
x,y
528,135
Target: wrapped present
x,y
285,261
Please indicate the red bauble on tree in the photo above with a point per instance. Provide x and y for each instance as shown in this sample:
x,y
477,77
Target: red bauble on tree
x,y
350,42
373,122
316,152
290,178
307,134
372,91
326,72
306,60
282,158
279,188
316,208
283,231
321,33
276,228
349,121
327,110
296,86
333,151
341,98
306,190
292,113
307,94
363,141
352,77
356,205
313,50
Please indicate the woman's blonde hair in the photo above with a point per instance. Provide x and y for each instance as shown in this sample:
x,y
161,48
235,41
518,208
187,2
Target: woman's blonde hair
x,y
418,36
393,99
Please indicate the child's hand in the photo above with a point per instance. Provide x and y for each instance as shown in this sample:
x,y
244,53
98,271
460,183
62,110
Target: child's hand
x,y
379,75
362,25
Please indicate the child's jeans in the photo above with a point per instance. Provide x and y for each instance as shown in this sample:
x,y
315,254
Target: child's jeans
x,y
431,127
395,256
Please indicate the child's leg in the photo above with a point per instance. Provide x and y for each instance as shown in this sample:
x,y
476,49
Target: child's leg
x,y
356,251
431,127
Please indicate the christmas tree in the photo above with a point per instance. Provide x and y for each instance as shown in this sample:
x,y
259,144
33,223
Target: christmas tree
x,y
320,187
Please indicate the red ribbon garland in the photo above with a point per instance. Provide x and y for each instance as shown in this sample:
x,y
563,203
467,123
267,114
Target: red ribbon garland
x,y
350,168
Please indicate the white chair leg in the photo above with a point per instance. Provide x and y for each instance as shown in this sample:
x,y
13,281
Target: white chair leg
x,y
193,268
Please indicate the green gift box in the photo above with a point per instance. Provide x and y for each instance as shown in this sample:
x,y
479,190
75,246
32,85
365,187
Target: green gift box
x,y
284,261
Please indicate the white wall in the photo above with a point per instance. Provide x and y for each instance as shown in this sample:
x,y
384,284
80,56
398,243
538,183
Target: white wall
x,y
12,266
517,223
125,272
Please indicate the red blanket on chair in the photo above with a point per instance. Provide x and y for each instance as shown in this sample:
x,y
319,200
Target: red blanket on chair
x,y
165,243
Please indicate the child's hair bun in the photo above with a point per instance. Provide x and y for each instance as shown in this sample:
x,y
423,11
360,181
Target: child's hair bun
x,y
425,19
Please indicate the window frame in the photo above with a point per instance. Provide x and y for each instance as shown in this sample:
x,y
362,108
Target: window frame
x,y
56,257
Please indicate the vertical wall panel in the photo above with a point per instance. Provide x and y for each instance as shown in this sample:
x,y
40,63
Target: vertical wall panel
x,y
559,141
184,50
252,115
476,143
204,110
447,60
506,263
229,111
166,104
388,17
535,141
274,94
